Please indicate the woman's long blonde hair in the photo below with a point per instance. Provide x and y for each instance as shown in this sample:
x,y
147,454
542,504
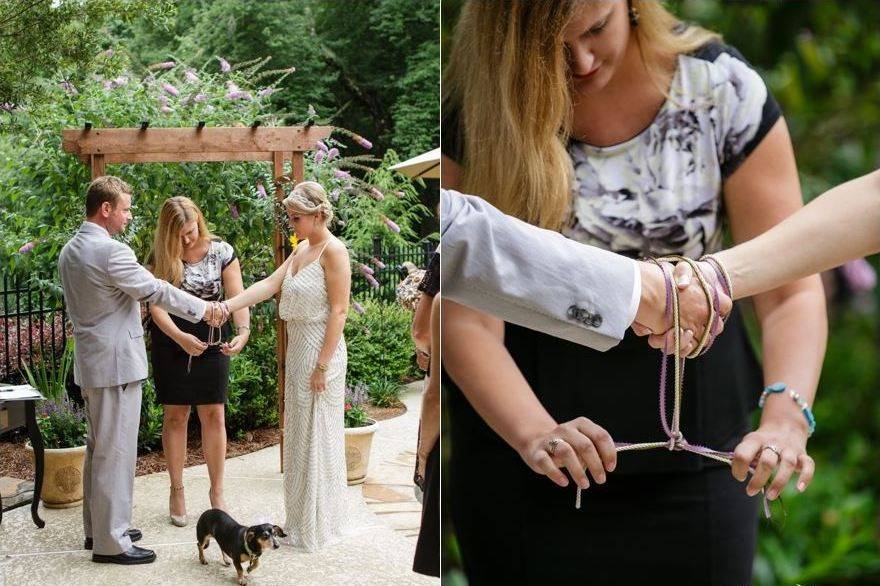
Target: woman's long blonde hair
x,y
167,254
508,81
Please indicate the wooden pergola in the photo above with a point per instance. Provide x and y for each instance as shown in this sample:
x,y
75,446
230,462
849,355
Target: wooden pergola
x,y
99,147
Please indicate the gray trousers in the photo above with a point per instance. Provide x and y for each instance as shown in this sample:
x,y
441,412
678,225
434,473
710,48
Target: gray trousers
x,y
108,474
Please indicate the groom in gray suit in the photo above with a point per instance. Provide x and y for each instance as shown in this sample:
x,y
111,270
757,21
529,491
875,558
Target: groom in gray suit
x,y
103,287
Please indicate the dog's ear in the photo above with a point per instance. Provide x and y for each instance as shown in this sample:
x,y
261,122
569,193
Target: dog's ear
x,y
278,531
249,535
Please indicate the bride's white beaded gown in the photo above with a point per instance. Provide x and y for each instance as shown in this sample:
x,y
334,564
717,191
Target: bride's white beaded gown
x,y
314,435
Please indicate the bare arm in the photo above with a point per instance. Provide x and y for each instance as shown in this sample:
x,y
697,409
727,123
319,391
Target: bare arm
x,y
794,329
429,430
232,285
337,274
261,290
421,329
474,355
840,225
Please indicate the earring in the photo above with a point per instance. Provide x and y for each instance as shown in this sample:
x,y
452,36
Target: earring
x,y
633,16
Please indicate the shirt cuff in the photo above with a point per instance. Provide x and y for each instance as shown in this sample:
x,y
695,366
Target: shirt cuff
x,y
636,294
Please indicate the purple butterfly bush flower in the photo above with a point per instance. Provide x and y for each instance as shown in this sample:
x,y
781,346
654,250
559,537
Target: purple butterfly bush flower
x,y
334,195
321,146
319,157
239,95
171,89
191,76
358,307
68,87
261,191
377,262
163,65
377,195
233,209
7,106
340,174
332,153
166,110
366,270
225,67
199,98
266,91
108,84
109,53
859,275
399,193
26,248
363,142
391,225
372,281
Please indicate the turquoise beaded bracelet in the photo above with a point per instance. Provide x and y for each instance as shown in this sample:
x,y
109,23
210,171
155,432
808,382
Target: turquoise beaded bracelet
x,y
805,409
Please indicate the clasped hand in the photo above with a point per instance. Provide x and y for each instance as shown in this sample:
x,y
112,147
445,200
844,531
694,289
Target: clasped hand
x,y
216,314
653,319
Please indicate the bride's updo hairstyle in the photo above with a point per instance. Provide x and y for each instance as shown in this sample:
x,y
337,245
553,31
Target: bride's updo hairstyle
x,y
309,198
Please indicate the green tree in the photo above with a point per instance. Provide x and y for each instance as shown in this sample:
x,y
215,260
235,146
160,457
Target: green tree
x,y
39,38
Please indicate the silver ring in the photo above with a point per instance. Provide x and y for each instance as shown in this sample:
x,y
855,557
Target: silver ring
x,y
552,443
773,449
689,330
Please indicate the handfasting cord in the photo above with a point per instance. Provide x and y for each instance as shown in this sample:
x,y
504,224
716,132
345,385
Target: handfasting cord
x,y
215,333
676,441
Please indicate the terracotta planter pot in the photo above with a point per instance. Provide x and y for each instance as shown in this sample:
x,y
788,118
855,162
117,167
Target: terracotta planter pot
x,y
62,476
358,441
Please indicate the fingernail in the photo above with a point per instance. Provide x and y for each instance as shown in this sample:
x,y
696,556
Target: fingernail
x,y
802,486
585,484
683,280
600,479
771,494
612,466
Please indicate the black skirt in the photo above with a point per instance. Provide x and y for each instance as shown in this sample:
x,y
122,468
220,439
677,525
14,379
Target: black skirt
x,y
427,558
206,382
662,517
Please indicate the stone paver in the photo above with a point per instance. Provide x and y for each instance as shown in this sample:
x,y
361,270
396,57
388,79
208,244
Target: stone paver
x,y
384,517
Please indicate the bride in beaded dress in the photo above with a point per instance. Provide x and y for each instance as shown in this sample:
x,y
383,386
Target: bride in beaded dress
x,y
315,284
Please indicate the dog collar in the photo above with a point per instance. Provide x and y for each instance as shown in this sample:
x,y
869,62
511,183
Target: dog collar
x,y
246,547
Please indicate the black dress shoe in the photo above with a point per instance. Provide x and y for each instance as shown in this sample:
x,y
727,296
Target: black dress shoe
x,y
133,534
136,555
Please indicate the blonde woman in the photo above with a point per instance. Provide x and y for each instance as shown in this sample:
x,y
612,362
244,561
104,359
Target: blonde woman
x,y
617,125
315,285
187,370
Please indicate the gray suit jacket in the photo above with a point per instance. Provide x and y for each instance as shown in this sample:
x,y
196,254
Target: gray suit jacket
x,y
103,285
533,277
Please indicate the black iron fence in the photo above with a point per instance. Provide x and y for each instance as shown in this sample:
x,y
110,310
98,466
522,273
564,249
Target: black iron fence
x,y
389,277
33,325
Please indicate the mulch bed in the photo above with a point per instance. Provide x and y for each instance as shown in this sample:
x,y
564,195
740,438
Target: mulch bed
x,y
15,462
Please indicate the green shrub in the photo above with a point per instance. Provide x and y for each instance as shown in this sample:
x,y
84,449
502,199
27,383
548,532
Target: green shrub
x,y
150,431
379,344
253,381
385,393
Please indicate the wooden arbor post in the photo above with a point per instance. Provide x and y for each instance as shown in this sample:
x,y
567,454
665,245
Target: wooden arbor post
x,y
99,147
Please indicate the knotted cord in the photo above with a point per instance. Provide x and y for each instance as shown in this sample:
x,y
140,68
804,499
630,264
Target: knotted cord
x,y
677,441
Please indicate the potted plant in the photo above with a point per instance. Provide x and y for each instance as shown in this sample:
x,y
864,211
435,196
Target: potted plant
x,y
359,429
63,426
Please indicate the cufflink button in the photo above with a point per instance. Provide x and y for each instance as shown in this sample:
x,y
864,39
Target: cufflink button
x,y
596,320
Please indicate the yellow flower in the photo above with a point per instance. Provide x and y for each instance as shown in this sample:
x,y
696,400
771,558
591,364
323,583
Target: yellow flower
x,y
293,241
